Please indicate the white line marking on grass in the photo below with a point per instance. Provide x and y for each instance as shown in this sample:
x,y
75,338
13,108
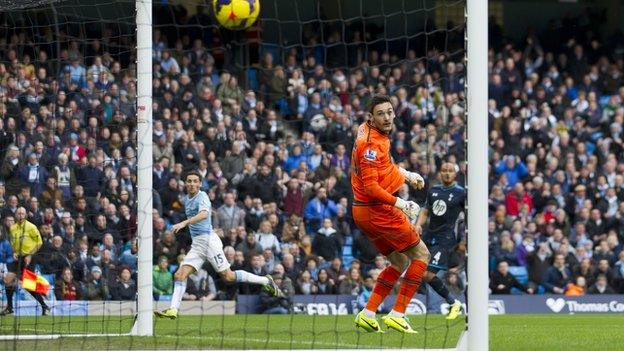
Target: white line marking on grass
x,y
333,346
330,345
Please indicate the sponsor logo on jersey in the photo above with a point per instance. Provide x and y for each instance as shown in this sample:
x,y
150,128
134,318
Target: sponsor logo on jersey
x,y
439,207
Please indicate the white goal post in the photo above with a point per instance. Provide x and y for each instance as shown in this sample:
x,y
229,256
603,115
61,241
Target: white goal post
x,y
477,124
144,22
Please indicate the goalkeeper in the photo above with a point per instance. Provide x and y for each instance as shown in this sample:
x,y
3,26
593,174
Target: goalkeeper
x,y
384,218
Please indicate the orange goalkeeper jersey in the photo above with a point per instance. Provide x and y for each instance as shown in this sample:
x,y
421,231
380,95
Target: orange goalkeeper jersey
x,y
374,178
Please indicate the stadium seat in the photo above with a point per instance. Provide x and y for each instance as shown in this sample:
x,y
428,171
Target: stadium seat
x,y
521,273
252,79
347,250
173,268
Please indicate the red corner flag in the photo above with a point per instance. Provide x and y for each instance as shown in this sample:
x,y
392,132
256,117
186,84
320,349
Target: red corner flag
x,y
33,282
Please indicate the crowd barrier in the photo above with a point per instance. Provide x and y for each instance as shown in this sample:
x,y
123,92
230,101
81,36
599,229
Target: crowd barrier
x,y
498,304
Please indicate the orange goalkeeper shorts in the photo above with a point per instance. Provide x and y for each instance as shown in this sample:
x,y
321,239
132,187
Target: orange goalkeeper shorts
x,y
386,226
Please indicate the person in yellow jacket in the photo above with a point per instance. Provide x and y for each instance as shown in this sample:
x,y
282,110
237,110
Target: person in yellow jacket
x,y
26,241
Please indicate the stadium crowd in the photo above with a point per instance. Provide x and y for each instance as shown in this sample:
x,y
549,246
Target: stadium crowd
x,y
275,161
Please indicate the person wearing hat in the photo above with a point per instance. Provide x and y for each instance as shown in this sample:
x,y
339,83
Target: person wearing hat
x,y
96,287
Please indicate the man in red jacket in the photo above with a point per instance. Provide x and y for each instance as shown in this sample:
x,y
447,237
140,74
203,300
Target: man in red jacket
x,y
516,198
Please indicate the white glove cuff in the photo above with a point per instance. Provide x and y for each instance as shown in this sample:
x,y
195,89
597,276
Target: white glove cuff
x,y
400,203
404,172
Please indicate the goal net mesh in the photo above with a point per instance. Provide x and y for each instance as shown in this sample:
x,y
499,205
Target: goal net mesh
x,y
287,95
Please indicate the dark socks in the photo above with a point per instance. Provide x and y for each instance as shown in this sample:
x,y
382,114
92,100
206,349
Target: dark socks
x,y
9,292
439,287
39,299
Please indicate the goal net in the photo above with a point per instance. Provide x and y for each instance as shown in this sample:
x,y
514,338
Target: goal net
x,y
68,148
268,115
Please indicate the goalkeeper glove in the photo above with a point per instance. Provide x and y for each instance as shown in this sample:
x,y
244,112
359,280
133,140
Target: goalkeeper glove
x,y
410,208
413,178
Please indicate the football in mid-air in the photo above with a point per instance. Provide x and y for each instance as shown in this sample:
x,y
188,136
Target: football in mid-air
x,y
236,14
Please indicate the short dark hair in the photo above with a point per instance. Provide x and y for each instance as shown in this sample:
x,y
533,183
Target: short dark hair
x,y
376,100
192,172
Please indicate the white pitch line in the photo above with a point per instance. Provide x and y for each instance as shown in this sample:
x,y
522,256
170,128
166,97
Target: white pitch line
x,y
348,347
278,341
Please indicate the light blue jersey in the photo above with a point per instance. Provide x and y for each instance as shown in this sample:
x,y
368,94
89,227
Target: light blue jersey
x,y
194,205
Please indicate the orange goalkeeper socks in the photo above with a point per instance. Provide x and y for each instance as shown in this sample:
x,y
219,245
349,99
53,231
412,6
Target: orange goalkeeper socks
x,y
386,280
409,285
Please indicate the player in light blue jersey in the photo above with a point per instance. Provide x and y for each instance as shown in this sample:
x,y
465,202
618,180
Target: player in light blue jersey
x,y
206,246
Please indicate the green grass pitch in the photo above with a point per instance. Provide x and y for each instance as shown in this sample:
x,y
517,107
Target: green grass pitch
x,y
507,332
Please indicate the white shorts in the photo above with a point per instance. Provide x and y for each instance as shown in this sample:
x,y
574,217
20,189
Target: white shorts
x,y
207,247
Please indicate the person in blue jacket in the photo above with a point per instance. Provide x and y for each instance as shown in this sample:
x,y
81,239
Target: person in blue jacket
x,y
318,209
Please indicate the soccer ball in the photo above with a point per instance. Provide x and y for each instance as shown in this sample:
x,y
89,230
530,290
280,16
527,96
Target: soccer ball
x,y
236,14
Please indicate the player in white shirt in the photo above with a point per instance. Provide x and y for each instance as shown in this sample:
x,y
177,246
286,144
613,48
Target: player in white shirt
x,y
206,246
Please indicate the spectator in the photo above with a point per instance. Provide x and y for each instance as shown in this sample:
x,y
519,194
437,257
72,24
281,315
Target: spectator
x,y
293,230
506,250
352,285
167,246
557,276
229,215
291,268
305,284
501,281
295,158
34,175
50,194
578,288
336,271
601,286
250,247
513,168
257,267
618,276
328,242
367,290
325,285
281,304
124,288
318,209
518,198
266,239
201,287
9,170
96,287
264,186
162,278
66,288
